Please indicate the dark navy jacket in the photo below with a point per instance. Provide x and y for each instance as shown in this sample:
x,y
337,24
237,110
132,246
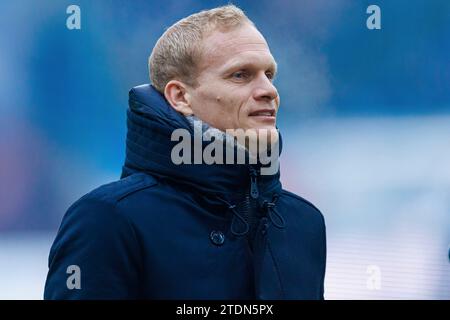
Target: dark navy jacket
x,y
166,231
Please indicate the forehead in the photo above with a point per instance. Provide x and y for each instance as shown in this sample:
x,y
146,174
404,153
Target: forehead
x,y
242,45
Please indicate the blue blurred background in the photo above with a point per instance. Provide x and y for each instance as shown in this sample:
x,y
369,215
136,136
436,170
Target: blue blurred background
x,y
365,116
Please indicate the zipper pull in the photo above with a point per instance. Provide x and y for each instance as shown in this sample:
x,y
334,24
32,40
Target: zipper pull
x,y
254,184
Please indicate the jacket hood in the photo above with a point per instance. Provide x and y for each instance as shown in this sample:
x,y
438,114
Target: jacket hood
x,y
151,122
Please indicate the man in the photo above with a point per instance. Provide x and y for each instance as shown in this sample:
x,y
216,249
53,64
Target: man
x,y
170,230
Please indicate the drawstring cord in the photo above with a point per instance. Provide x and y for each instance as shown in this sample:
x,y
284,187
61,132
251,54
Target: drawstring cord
x,y
272,212
269,207
236,213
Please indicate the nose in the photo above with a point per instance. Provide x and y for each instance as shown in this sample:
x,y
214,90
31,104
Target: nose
x,y
265,90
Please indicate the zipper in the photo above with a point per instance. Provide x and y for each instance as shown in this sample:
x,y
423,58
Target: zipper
x,y
254,192
250,206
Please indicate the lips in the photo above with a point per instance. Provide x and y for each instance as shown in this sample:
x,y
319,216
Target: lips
x,y
263,113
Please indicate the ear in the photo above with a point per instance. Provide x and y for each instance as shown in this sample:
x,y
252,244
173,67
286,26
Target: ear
x,y
178,97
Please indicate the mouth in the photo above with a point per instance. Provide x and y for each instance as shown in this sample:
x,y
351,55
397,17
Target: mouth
x,y
264,115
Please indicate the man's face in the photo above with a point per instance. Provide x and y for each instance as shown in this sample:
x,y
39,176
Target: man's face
x,y
235,88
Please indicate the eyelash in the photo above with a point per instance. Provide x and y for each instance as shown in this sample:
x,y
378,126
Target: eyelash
x,y
239,72
269,74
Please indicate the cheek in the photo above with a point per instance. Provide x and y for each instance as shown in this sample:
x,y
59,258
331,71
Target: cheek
x,y
277,102
204,102
228,111
222,106
234,107
212,108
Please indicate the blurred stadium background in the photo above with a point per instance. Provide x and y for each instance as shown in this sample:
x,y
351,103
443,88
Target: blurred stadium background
x,y
365,116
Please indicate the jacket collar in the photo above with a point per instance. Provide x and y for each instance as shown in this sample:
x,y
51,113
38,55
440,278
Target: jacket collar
x,y
151,121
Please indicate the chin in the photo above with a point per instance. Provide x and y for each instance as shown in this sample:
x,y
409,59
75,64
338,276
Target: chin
x,y
262,128
270,131
266,127
262,123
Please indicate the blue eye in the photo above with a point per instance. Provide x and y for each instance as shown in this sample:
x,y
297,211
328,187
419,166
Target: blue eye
x,y
240,75
269,75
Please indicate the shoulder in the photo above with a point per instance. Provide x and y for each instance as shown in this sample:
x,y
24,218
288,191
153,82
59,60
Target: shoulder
x,y
97,206
95,234
95,218
303,206
299,200
117,191
108,195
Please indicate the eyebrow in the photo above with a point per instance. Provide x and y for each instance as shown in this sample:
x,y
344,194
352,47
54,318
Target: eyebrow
x,y
243,64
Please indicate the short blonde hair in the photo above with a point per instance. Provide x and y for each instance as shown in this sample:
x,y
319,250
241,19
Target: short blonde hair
x,y
178,51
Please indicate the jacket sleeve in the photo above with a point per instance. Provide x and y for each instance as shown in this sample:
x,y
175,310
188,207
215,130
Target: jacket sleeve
x,y
95,255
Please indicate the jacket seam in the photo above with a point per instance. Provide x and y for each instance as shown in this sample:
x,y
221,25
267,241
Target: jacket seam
x,y
136,241
269,247
134,190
